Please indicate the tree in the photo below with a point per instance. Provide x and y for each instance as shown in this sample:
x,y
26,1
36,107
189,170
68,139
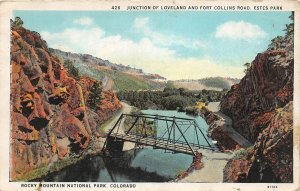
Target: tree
x,y
74,72
275,43
114,68
248,66
18,22
204,92
95,96
290,27
170,85
292,16
225,90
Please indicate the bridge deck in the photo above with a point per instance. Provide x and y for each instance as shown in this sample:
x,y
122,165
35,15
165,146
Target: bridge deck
x,y
161,143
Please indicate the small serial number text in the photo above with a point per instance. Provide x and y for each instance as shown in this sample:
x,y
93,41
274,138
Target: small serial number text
x,y
272,186
116,7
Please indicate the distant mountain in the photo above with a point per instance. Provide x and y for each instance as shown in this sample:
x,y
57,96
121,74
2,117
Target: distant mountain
x,y
212,83
121,77
113,76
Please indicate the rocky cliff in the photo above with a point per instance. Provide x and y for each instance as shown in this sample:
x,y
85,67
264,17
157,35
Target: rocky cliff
x,y
261,109
267,85
271,158
50,119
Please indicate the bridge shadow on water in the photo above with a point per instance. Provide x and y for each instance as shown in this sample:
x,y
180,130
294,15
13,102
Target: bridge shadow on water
x,y
115,168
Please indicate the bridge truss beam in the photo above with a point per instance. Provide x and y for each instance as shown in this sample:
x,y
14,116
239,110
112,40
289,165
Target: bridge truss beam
x,y
147,126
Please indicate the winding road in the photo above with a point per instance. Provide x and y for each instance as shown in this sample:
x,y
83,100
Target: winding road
x,y
125,109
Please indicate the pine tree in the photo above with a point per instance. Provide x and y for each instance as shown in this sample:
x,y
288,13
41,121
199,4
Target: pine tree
x,y
247,67
72,70
290,27
18,22
95,96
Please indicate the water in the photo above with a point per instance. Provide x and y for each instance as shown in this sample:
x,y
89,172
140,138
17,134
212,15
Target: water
x,y
141,165
190,131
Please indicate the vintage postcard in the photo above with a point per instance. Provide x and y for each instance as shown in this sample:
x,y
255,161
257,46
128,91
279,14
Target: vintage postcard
x,y
149,95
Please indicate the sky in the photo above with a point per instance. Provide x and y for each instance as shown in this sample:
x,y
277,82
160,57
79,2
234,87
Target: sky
x,y
175,44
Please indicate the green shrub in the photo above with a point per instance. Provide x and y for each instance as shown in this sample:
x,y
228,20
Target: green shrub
x,y
95,96
72,70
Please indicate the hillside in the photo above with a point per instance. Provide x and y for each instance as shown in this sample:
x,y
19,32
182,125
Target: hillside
x,y
53,122
120,77
212,83
261,107
115,76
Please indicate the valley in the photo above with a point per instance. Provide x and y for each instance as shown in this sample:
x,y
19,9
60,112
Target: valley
x,y
64,107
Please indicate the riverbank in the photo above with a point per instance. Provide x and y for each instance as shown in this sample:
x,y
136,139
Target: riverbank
x,y
213,165
104,128
228,141
57,165
109,123
43,171
221,130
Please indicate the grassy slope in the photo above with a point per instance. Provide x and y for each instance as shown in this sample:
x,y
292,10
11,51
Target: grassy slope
x,y
122,81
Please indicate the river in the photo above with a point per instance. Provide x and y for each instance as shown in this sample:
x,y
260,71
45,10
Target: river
x,y
139,165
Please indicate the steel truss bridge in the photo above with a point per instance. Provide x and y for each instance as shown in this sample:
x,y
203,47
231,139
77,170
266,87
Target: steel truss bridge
x,y
177,134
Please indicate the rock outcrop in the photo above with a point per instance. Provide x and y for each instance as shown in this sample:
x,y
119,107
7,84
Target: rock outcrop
x,y
217,130
268,85
262,111
271,158
49,116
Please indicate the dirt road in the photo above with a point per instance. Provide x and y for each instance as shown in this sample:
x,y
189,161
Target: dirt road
x,y
212,172
125,109
107,126
215,162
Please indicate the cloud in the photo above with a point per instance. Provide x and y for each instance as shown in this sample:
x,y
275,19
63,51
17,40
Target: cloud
x,y
142,25
74,39
144,54
86,21
239,31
